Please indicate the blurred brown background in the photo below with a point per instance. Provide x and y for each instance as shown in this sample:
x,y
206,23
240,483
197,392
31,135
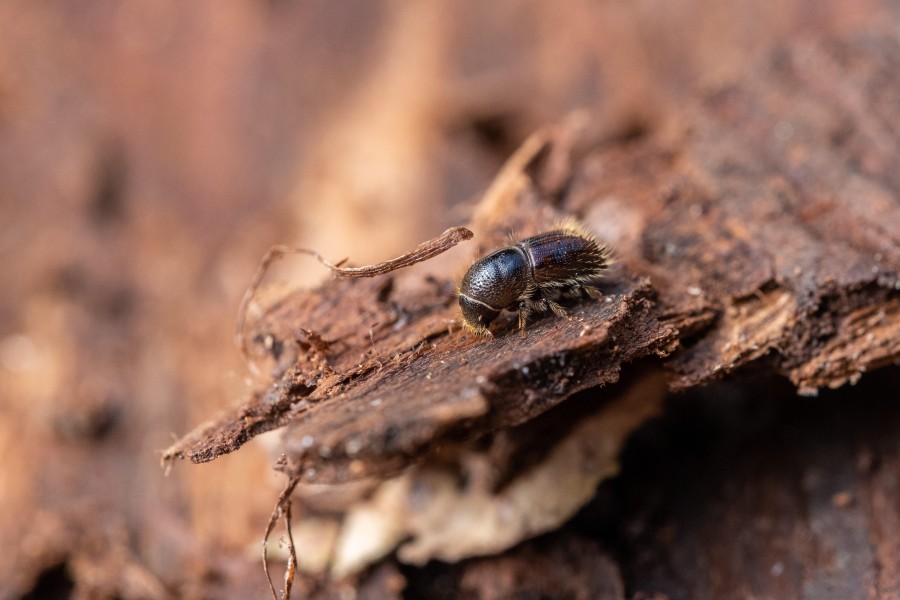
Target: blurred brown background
x,y
151,151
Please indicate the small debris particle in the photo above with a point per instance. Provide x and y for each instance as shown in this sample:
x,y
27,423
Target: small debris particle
x,y
842,499
353,446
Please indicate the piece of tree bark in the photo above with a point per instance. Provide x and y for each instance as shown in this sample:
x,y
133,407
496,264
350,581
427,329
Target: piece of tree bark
x,y
764,227
747,490
560,565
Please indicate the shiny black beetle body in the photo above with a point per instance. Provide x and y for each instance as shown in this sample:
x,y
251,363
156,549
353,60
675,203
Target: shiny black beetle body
x,y
531,276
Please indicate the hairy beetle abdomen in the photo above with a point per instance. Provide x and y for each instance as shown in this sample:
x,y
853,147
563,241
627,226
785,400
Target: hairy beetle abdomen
x,y
559,258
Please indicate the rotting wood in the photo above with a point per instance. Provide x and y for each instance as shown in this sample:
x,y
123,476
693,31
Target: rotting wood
x,y
787,477
483,498
428,249
561,565
764,228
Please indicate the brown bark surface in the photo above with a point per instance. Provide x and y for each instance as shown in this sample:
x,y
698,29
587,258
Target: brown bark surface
x,y
744,490
755,229
665,441
762,230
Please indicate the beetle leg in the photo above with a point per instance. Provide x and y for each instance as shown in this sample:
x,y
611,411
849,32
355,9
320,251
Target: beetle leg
x,y
523,315
593,292
558,310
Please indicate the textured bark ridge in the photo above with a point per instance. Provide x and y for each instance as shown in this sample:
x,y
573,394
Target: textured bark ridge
x,y
763,227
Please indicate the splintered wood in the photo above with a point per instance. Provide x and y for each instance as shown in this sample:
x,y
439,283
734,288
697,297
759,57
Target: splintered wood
x,y
422,252
762,232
